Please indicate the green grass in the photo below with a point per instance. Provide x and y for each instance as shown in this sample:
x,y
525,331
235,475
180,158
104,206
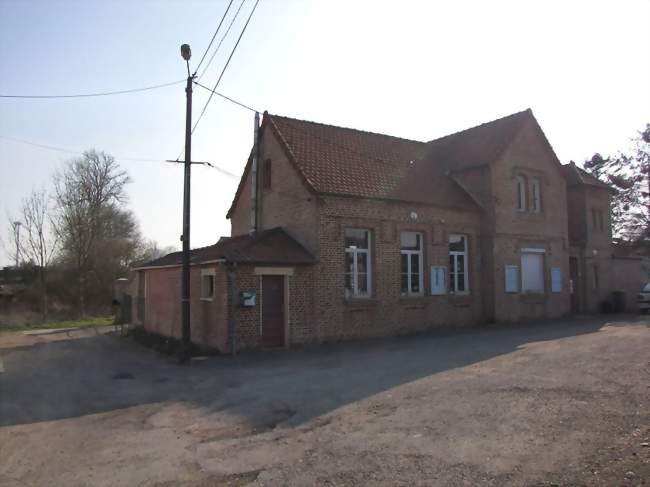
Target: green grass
x,y
80,323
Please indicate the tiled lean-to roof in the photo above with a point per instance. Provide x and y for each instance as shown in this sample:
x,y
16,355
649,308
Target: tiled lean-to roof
x,y
274,247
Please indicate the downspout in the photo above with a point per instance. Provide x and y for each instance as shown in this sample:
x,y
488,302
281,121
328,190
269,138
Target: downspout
x,y
253,228
232,329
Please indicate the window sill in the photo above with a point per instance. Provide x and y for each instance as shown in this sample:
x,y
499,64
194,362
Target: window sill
x,y
207,299
413,301
461,300
533,298
359,303
410,299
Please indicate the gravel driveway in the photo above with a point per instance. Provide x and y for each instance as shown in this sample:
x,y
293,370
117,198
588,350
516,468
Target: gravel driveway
x,y
555,403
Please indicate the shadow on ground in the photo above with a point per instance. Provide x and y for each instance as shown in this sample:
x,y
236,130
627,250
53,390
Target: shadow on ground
x,y
76,377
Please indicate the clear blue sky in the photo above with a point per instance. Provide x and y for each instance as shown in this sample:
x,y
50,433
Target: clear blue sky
x,y
413,69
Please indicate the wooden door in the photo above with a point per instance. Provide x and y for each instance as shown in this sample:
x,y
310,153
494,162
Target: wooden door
x,y
273,311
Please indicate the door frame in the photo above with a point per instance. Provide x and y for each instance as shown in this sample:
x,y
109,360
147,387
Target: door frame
x,y
287,272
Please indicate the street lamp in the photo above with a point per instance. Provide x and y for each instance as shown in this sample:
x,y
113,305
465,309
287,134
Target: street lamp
x,y
186,53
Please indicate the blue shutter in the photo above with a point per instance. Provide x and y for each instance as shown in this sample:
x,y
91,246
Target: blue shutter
x,y
438,280
512,279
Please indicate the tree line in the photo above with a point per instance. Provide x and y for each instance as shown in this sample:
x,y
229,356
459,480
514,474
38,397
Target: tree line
x,y
80,236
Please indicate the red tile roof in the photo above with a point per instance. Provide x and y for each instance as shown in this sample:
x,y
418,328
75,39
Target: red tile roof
x,y
274,247
476,146
343,161
575,176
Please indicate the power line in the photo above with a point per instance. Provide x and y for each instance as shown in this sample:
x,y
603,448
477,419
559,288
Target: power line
x,y
106,93
225,67
227,97
42,146
232,21
213,90
213,37
133,159
67,151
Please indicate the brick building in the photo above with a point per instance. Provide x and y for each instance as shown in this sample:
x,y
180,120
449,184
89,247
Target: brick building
x,y
339,234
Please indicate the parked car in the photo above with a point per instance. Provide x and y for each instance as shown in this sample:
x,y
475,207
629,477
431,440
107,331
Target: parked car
x,y
644,298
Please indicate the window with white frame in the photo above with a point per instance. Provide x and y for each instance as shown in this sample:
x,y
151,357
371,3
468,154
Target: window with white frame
x,y
537,196
411,266
532,271
458,278
207,284
358,270
521,193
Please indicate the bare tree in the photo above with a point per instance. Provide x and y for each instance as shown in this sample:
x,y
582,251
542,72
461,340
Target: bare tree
x,y
151,251
84,190
12,248
38,241
629,176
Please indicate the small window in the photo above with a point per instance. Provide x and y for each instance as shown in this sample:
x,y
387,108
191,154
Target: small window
x,y
521,193
601,224
438,280
556,280
537,197
207,286
512,278
411,265
357,263
266,174
532,272
458,281
594,220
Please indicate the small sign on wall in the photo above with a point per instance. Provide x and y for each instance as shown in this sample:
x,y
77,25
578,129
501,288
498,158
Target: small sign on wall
x,y
247,299
556,280
438,280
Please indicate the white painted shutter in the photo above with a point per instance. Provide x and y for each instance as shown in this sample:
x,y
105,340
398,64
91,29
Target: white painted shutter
x,y
556,280
438,280
512,279
532,275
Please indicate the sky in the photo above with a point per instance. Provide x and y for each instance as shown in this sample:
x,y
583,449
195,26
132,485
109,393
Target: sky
x,y
414,69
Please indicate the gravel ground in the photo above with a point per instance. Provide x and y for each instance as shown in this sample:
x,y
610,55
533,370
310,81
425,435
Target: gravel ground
x,y
555,403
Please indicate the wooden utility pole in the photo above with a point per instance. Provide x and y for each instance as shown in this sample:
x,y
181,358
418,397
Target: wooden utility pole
x,y
185,300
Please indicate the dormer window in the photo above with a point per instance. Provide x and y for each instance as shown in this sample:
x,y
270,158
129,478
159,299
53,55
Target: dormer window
x,y
521,193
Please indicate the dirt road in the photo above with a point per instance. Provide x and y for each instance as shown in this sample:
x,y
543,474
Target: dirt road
x,y
558,403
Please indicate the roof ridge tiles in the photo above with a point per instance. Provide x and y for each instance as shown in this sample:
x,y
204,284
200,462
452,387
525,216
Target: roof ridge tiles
x,y
366,132
459,132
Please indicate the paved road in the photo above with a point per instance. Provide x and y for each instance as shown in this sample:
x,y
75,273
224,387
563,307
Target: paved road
x,y
556,402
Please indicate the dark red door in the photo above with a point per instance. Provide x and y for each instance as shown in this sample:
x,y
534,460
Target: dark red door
x,y
273,311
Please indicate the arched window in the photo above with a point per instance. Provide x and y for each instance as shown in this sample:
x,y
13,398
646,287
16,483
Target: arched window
x,y
521,193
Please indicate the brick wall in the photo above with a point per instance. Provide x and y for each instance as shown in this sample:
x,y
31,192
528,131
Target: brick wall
x,y
287,203
208,318
299,301
630,274
599,274
387,312
528,156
